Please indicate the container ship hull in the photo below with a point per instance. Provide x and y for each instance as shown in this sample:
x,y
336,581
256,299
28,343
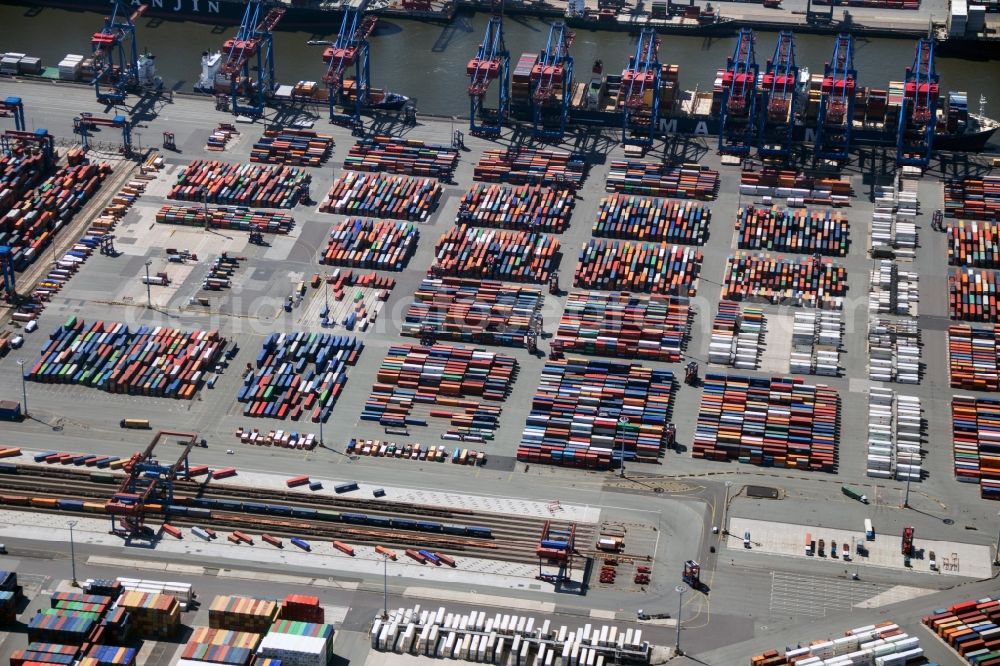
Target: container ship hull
x,y
685,125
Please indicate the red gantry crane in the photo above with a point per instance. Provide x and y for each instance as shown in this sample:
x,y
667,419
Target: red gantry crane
x,y
492,63
253,40
147,481
778,99
350,49
836,104
641,90
738,116
552,72
918,112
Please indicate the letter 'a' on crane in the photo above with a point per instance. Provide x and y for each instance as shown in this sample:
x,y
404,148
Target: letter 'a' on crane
x,y
492,63
253,41
918,112
778,100
836,104
641,92
738,117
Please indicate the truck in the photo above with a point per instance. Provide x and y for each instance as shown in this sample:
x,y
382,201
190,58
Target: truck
x,y
854,494
869,530
692,574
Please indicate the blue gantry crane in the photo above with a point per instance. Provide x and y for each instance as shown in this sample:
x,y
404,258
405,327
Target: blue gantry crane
x,y
553,71
836,102
14,107
918,112
116,54
148,481
778,99
253,41
7,271
641,89
11,140
492,63
350,49
738,115
85,122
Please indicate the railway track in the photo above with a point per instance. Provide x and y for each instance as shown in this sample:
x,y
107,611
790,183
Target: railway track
x,y
513,537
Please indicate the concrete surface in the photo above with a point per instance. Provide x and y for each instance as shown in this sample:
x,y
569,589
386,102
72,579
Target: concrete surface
x,y
681,498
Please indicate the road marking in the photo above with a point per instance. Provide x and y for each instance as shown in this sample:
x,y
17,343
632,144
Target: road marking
x,y
480,599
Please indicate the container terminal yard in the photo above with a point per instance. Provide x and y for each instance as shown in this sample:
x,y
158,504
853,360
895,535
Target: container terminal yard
x,y
309,377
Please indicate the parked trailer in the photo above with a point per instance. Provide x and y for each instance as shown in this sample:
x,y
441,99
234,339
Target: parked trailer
x,y
415,555
274,541
345,487
450,561
301,543
201,533
344,548
138,424
172,531
297,481
224,473
382,550
431,557
242,537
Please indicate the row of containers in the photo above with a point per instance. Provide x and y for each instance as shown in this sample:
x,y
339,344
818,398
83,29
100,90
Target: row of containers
x,y
377,195
292,147
512,256
462,386
33,211
737,336
974,244
895,435
589,413
375,244
504,638
771,422
521,207
884,644
893,290
976,434
650,219
894,350
975,198
796,187
785,230
528,166
689,181
974,295
408,157
633,266
247,185
299,373
974,357
229,218
479,312
971,628
149,361
623,325
812,282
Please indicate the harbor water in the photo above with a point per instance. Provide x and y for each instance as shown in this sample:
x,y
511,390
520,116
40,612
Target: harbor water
x,y
427,61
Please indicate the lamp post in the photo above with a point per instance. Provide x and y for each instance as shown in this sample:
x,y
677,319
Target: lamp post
x,y
680,607
72,550
996,558
385,586
622,421
24,386
149,295
906,498
318,394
